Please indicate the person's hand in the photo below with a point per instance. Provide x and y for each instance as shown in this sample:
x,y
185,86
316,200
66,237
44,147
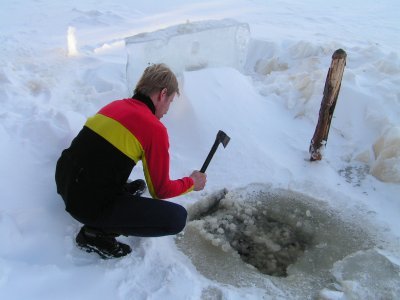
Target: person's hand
x,y
199,180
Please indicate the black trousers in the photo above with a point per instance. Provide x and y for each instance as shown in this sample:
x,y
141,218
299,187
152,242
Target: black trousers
x,y
140,216
112,209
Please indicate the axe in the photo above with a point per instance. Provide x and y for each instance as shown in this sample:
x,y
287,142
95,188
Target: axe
x,y
222,138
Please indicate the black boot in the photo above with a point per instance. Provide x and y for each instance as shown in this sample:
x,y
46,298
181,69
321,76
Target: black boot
x,y
104,244
136,187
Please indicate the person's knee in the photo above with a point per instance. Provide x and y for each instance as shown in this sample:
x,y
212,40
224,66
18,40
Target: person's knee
x,y
178,222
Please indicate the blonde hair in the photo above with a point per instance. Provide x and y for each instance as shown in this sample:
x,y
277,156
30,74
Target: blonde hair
x,y
155,78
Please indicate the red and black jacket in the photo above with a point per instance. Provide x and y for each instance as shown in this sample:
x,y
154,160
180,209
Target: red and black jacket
x,y
132,128
117,137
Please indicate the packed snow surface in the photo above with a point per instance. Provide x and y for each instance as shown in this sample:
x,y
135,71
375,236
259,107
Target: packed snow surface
x,y
270,224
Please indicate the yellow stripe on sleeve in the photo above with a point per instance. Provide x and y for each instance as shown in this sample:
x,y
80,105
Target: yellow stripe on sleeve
x,y
147,176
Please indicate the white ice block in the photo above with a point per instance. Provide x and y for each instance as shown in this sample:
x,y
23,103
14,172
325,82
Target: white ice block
x,y
189,46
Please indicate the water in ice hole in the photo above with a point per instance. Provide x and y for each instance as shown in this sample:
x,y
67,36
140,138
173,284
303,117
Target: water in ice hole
x,y
267,244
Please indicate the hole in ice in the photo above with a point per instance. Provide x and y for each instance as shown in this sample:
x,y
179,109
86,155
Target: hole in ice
x,y
270,238
261,241
271,252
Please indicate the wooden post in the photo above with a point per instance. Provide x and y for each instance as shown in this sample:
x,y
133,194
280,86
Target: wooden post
x,y
331,92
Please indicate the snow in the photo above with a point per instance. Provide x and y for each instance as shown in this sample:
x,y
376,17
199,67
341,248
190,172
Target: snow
x,y
61,62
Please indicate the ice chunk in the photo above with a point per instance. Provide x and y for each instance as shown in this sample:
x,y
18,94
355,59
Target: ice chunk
x,y
368,275
189,46
72,44
201,208
386,166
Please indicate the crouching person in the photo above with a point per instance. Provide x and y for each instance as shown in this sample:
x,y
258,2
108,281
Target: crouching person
x,y
92,174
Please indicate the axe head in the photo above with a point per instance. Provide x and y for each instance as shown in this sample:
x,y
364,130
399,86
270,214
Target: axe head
x,y
223,138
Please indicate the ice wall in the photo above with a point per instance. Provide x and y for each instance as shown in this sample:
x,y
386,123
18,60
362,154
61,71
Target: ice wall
x,y
189,46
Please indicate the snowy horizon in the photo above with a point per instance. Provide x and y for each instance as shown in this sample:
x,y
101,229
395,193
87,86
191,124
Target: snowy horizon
x,y
260,78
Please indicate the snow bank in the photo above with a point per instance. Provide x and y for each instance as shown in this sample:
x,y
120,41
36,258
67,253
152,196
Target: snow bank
x,y
292,73
295,72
